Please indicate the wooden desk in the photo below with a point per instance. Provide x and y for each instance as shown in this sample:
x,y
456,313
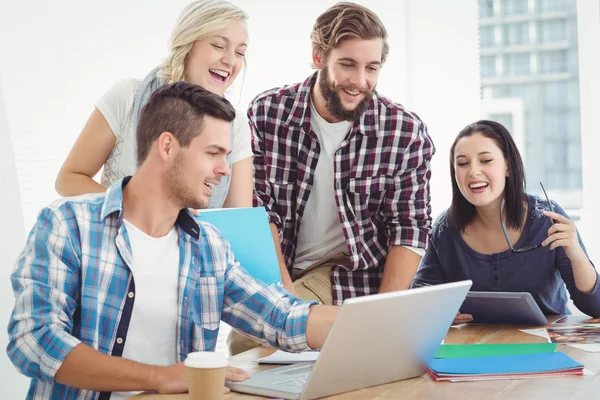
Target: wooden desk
x,y
584,388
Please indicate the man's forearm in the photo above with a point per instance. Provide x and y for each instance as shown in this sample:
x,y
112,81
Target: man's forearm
x,y
400,268
286,280
86,368
320,321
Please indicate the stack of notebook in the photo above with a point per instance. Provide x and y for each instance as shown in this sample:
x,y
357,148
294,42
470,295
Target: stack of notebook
x,y
461,363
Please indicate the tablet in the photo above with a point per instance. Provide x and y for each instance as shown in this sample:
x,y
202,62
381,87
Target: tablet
x,y
515,308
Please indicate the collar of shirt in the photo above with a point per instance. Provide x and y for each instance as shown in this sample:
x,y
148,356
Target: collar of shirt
x,y
300,113
113,203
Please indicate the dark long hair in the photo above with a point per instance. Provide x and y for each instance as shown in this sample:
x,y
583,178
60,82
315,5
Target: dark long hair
x,y
461,212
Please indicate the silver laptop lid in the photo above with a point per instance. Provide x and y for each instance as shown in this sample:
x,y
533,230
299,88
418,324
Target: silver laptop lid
x,y
375,340
384,338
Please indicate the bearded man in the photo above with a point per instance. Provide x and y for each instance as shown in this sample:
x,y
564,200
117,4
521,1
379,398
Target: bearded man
x,y
342,171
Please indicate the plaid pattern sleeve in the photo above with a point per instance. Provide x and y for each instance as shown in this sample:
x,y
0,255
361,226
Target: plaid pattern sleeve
x,y
266,313
45,282
263,186
406,209
381,180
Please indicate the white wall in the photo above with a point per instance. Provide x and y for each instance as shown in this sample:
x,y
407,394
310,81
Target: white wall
x,y
12,385
58,58
280,48
588,15
443,73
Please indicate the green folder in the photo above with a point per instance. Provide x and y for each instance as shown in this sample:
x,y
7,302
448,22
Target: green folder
x,y
486,350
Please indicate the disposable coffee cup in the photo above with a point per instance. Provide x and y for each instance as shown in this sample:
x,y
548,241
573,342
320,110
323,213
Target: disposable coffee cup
x,y
206,375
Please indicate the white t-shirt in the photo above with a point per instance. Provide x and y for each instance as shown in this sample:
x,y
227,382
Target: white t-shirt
x,y
117,108
321,234
152,334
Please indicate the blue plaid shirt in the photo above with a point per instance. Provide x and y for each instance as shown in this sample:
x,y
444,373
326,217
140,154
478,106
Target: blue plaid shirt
x,y
72,281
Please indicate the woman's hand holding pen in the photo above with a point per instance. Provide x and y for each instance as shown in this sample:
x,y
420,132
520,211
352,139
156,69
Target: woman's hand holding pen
x,y
563,233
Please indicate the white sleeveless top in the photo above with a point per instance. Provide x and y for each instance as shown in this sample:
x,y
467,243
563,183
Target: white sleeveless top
x,y
116,105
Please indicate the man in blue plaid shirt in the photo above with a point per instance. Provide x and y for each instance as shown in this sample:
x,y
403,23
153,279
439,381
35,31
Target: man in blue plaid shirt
x,y
114,290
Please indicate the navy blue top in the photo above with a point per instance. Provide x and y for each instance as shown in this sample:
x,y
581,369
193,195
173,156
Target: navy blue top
x,y
540,272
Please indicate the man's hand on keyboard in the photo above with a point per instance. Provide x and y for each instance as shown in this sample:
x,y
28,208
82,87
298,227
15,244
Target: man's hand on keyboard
x,y
235,375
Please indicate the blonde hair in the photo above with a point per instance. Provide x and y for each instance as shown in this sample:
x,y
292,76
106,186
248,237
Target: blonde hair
x,y
347,21
197,21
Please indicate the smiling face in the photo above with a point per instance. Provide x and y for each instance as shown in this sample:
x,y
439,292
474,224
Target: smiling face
x,y
195,170
480,170
347,77
214,62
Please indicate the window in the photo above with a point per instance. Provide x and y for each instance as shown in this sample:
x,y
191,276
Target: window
x,y
556,93
521,91
562,179
561,94
562,148
505,119
554,30
486,8
499,91
515,7
574,155
556,157
555,5
556,126
488,66
517,64
554,61
516,34
487,37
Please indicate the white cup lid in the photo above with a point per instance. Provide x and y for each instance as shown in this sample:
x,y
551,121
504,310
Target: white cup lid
x,y
206,359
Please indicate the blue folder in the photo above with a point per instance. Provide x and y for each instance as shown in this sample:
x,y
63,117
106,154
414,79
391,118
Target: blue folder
x,y
515,364
249,233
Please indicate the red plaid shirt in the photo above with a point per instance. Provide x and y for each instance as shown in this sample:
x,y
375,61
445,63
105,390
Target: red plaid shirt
x,y
381,179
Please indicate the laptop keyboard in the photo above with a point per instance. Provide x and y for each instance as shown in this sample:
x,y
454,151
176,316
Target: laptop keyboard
x,y
298,381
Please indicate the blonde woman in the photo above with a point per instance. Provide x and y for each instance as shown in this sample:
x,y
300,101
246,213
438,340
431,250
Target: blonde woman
x,y
208,47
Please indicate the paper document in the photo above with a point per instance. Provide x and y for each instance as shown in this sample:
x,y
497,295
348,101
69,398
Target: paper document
x,y
248,232
541,332
283,357
591,348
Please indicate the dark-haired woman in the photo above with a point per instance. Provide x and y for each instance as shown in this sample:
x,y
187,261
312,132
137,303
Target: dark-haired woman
x,y
502,238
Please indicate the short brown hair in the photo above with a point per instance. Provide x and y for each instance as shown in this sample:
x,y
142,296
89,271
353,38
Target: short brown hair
x,y
344,21
178,108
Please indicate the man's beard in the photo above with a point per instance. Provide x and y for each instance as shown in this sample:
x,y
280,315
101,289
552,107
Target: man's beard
x,y
179,192
333,102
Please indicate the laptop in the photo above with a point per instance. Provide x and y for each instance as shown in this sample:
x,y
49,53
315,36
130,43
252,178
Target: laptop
x,y
375,339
